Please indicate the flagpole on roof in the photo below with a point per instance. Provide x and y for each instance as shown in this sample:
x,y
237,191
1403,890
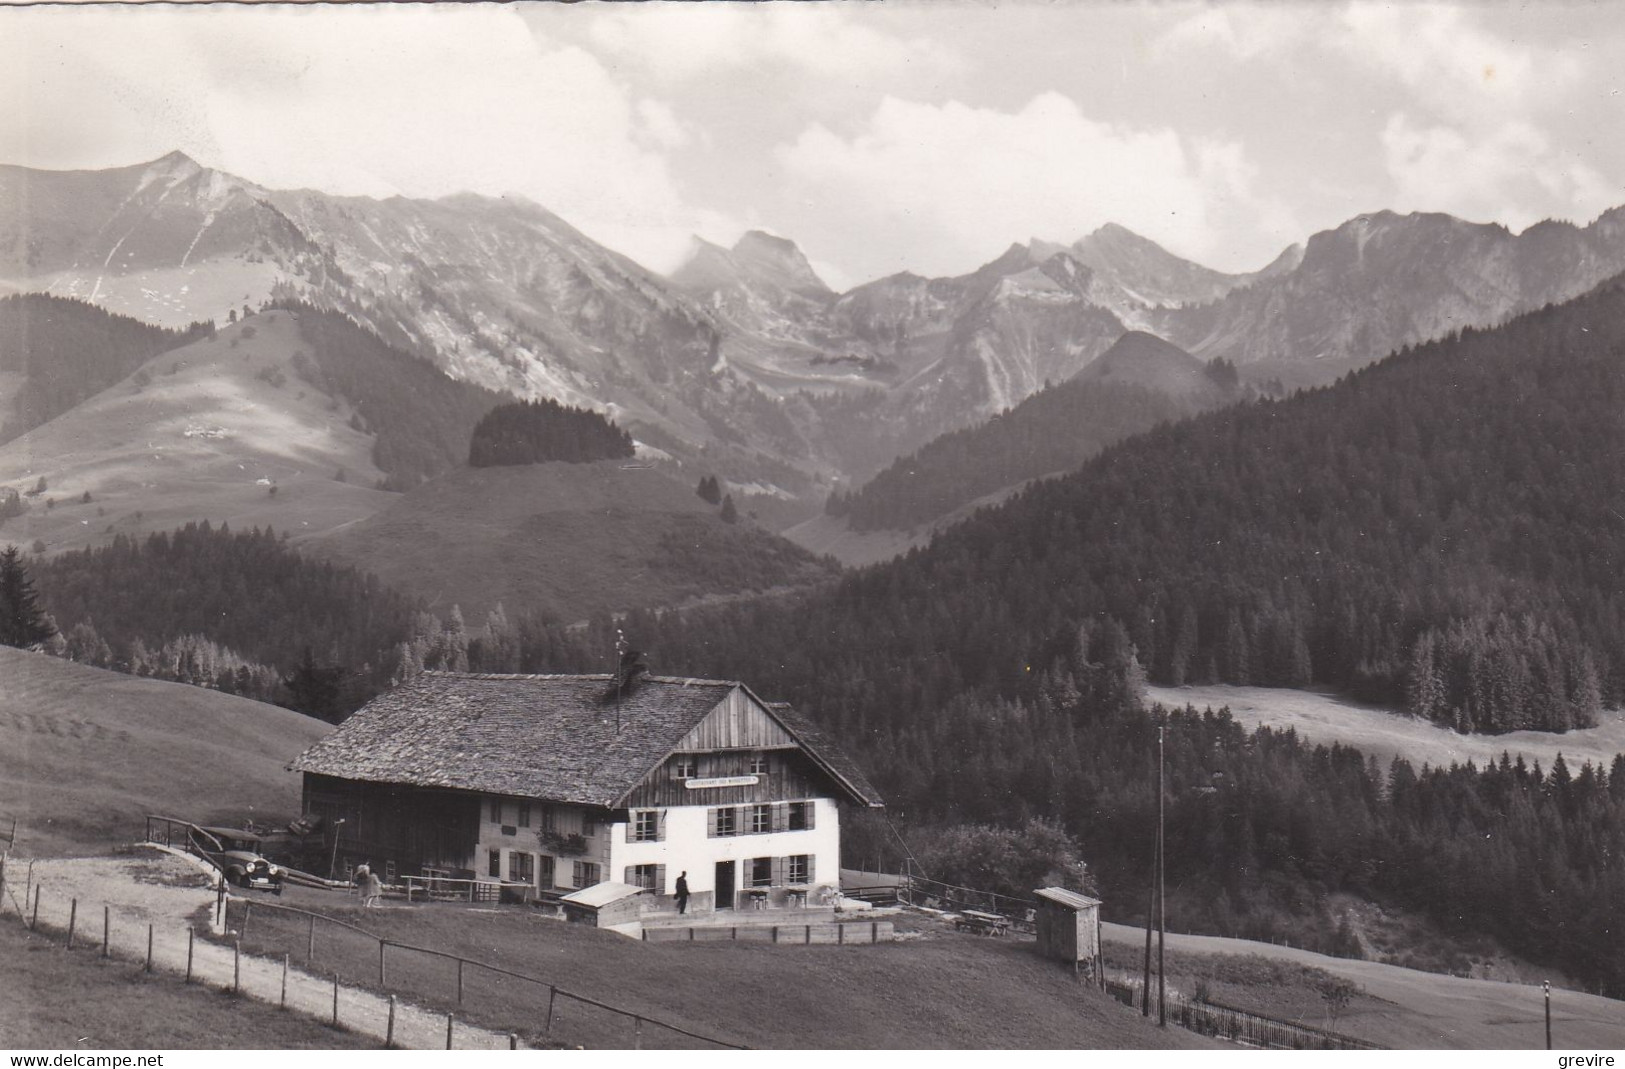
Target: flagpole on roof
x,y
621,646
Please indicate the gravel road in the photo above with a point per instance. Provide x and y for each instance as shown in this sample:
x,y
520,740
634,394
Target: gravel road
x,y
165,891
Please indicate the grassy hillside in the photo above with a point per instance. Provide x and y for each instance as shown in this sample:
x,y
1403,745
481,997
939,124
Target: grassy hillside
x,y
1402,1008
56,352
940,990
85,754
55,998
1325,717
568,539
204,432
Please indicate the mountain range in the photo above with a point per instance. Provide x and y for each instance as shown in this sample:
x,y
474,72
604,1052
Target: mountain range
x,y
744,362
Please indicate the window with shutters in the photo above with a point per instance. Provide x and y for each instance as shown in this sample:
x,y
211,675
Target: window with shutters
x,y
524,814
686,768
549,821
496,811
801,816
761,819
724,821
648,877
493,859
544,870
798,868
645,825
589,826
586,873
521,867
761,872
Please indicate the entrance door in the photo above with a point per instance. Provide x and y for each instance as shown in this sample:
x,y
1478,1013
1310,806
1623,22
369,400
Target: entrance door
x,y
725,885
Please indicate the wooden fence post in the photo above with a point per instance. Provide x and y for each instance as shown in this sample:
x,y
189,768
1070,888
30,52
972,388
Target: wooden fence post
x,y
874,932
310,945
191,937
284,1001
236,966
513,1041
637,1033
335,998
73,919
552,993
459,981
149,949
33,920
840,933
448,1031
382,943
107,927
389,1032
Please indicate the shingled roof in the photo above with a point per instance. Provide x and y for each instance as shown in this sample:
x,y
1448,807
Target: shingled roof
x,y
834,759
551,737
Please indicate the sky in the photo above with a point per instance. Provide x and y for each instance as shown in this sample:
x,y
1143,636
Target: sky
x,y
880,137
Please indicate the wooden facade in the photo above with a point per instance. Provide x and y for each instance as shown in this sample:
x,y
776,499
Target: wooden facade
x,y
1068,927
409,828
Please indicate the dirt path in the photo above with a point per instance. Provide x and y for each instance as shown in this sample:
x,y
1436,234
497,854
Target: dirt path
x,y
1433,1010
165,891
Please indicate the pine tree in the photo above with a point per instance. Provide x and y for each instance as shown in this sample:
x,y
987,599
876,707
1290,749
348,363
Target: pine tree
x,y
730,514
22,622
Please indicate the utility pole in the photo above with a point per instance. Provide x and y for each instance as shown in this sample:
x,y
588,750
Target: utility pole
x,y
332,864
1547,985
1162,895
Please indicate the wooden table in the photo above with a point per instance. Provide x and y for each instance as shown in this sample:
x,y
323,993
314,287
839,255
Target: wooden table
x,y
975,920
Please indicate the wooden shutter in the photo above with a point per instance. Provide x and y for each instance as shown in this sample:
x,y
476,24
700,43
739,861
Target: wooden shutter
x,y
631,875
632,826
660,879
660,827
778,872
812,872
711,823
810,809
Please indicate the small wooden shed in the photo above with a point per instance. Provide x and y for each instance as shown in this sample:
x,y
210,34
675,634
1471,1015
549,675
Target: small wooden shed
x,y
604,904
1069,927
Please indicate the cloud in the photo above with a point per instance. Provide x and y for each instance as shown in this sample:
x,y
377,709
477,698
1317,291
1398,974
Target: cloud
x,y
1511,175
1245,32
957,183
419,100
1452,67
678,42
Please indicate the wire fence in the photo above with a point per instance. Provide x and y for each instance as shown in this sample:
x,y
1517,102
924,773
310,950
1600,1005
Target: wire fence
x,y
482,991
1237,1025
125,934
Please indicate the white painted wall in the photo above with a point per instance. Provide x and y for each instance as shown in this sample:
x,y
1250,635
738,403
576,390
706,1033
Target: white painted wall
x,y
569,820
687,846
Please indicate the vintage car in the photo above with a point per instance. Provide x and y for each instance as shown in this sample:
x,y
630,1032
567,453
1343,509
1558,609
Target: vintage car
x,y
236,853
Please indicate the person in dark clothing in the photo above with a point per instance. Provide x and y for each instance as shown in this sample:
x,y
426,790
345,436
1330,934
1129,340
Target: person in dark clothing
x,y
682,892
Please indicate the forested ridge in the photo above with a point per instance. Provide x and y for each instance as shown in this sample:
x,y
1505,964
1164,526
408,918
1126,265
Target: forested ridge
x,y
1437,529
537,432
1052,431
202,601
69,350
